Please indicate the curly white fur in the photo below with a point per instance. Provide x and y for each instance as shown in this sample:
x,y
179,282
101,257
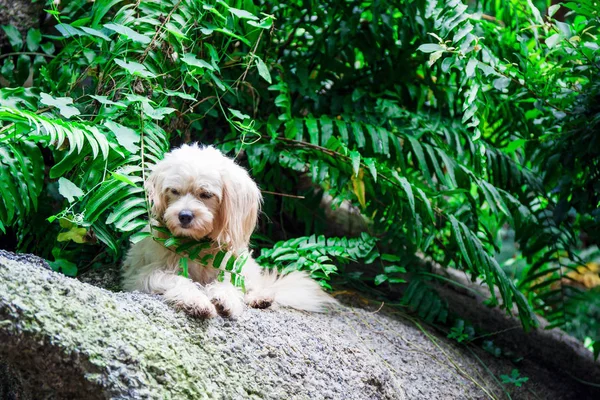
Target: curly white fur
x,y
197,192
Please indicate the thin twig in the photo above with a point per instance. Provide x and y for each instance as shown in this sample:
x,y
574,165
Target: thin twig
x,y
492,19
530,90
293,196
496,333
455,364
379,309
576,48
486,368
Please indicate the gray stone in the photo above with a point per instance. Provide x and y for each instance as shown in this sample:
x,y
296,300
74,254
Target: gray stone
x,y
63,338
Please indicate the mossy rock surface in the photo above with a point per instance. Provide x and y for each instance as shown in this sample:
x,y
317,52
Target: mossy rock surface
x,y
63,338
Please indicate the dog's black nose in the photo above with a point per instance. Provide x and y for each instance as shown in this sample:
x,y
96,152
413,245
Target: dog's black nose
x,y
185,217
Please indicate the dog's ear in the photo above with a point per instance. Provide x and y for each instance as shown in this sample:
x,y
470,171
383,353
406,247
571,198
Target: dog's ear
x,y
154,190
238,211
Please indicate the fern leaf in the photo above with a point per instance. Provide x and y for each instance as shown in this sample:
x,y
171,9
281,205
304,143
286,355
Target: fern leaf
x,y
409,193
420,156
358,134
456,229
110,193
343,130
55,131
313,130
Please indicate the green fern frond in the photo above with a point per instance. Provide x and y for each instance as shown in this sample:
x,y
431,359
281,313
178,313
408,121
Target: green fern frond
x,y
54,132
317,254
21,171
425,301
427,169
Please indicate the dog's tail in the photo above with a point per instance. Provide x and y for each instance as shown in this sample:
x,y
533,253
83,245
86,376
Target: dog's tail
x,y
296,290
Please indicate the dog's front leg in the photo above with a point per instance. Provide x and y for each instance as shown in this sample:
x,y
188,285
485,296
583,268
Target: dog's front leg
x,y
228,299
258,282
180,292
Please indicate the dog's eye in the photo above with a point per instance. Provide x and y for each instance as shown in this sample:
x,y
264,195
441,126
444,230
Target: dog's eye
x,y
175,192
206,195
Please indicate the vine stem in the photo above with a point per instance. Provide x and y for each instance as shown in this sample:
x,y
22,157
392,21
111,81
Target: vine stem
x,y
191,108
242,78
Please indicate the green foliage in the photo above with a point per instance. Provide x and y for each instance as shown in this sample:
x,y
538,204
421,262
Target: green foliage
x,y
535,101
460,332
228,263
586,319
317,255
422,299
442,122
102,143
490,347
514,378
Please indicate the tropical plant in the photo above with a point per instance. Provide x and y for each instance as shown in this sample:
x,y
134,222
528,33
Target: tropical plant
x,y
442,121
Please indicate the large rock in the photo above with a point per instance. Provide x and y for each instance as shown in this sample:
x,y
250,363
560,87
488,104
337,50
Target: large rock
x,y
62,338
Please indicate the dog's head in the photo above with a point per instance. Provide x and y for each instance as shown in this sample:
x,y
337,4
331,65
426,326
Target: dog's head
x,y
197,192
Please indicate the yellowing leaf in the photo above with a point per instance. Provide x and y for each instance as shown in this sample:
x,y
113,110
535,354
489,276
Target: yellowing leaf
x,y
65,223
358,186
75,234
587,275
433,57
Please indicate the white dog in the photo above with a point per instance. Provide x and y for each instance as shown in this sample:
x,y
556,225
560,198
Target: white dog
x,y
197,192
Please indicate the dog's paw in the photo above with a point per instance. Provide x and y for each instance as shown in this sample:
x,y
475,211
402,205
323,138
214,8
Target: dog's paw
x,y
227,299
197,308
228,307
258,301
